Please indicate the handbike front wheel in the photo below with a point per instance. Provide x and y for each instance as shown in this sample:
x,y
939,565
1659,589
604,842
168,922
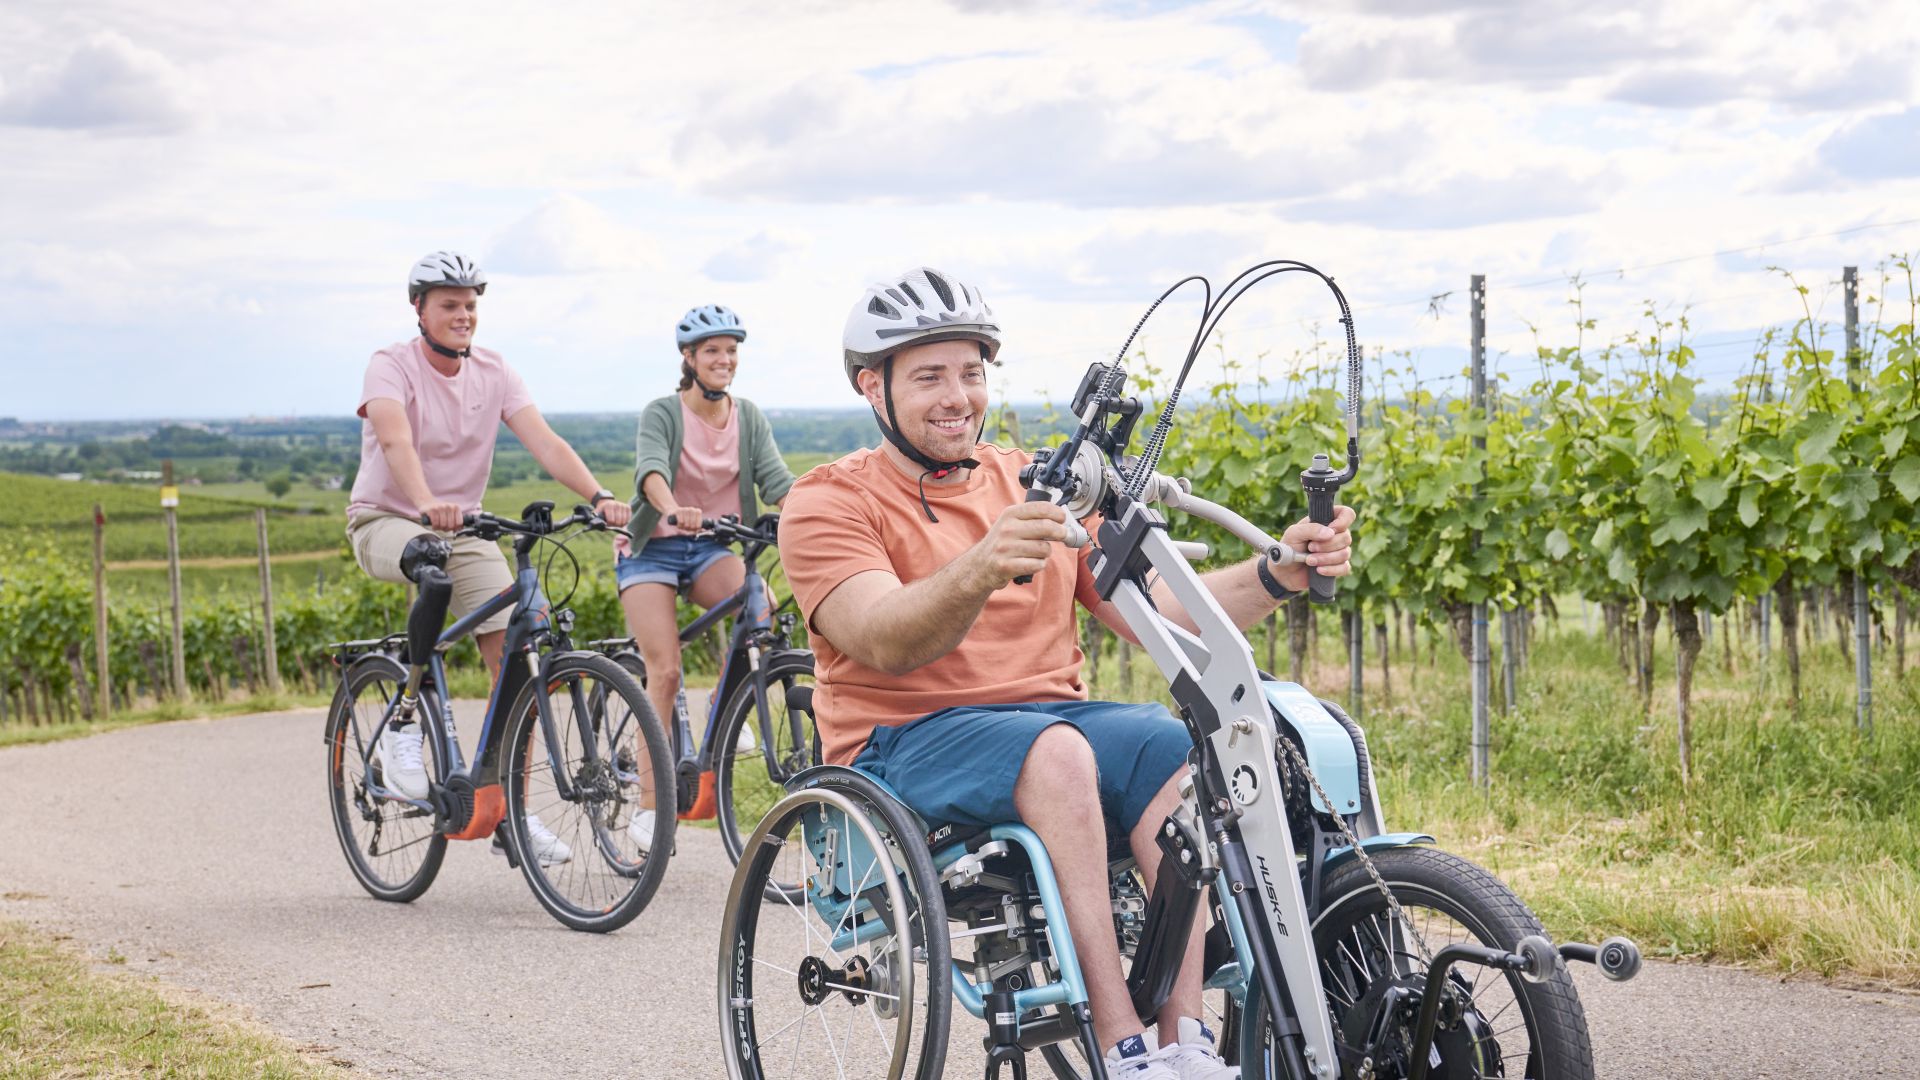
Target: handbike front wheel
x,y
852,977
1504,1026
577,848
391,846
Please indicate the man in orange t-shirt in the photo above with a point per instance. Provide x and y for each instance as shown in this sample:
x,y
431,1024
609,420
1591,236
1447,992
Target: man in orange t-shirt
x,y
964,695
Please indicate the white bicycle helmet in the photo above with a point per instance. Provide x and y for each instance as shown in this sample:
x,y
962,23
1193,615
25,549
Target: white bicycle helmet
x,y
444,269
913,308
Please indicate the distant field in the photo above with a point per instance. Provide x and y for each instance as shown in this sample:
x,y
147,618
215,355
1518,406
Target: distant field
x,y
216,520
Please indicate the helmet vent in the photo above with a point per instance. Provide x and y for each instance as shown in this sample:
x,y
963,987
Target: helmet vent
x,y
882,308
895,293
911,295
941,289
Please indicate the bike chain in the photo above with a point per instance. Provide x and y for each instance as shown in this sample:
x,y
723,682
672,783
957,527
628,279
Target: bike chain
x,y
1365,860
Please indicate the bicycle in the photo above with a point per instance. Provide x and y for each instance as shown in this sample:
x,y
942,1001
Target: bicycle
x,y
764,692
1336,947
562,740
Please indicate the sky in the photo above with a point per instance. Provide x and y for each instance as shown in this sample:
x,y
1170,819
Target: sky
x,y
209,210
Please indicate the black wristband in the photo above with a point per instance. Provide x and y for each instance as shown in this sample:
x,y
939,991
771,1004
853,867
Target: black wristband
x,y
597,497
1270,583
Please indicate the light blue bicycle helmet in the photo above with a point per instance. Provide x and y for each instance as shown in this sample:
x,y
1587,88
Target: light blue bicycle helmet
x,y
708,320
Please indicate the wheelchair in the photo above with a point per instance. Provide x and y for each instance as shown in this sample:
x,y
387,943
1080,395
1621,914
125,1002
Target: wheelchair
x,y
852,927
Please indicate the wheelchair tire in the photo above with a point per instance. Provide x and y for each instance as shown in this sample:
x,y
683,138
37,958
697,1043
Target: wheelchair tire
x,y
869,935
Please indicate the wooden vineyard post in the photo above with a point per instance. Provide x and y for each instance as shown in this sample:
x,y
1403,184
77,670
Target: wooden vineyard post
x,y
266,602
1477,346
170,502
100,611
1862,610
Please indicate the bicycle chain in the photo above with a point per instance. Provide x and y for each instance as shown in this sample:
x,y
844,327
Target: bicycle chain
x,y
1366,861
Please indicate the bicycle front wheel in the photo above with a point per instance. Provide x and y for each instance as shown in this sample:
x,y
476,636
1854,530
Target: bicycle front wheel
x,y
1503,1026
750,771
391,845
584,849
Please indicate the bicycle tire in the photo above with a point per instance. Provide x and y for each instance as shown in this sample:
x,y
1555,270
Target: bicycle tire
x,y
606,882
743,788
349,726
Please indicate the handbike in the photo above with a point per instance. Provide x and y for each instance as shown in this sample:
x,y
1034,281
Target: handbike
x,y
1338,949
565,739
759,729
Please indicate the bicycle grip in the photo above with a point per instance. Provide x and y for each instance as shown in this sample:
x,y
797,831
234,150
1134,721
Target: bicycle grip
x,y
1033,495
1320,483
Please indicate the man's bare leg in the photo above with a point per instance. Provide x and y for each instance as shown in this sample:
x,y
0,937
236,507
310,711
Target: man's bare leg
x,y
1058,797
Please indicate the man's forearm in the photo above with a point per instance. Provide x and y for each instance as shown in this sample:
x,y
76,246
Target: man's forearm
x,y
565,466
404,463
916,624
1237,589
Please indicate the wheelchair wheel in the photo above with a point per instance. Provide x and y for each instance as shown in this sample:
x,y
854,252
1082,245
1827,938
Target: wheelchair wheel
x,y
1506,1027
852,977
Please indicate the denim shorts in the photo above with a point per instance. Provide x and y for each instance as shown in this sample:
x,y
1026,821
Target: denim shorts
x,y
669,560
958,766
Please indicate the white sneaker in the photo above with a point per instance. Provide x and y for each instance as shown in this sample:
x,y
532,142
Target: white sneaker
x,y
746,743
548,848
1137,1057
640,830
398,753
1194,1057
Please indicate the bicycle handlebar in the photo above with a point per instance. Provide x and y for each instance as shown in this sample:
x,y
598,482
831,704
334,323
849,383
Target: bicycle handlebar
x,y
728,528
479,522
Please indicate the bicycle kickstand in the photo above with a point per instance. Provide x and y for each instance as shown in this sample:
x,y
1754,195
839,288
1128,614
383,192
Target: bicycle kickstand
x,y
1003,1036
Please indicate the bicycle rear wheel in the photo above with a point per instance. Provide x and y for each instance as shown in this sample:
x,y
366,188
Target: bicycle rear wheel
x,y
392,846
598,877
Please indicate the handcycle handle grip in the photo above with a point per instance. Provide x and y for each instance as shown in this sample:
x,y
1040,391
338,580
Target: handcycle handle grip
x,y
1033,495
1320,484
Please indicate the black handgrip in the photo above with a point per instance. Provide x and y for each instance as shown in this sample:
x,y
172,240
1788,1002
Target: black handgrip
x,y
429,613
1033,495
1320,484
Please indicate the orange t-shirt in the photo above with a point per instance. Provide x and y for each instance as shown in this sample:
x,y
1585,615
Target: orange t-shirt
x,y
862,513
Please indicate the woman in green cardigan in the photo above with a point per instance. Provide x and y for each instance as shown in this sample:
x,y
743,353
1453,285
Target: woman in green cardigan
x,y
700,452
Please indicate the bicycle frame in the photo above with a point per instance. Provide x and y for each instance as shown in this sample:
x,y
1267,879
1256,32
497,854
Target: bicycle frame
x,y
532,620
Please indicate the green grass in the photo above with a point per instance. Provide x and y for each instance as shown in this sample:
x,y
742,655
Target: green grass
x,y
1796,848
62,1017
15,734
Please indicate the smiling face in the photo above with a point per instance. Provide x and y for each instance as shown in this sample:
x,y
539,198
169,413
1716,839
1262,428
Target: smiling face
x,y
450,315
714,360
939,396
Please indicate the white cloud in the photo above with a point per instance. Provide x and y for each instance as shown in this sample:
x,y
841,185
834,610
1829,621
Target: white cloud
x,y
563,235
757,258
108,84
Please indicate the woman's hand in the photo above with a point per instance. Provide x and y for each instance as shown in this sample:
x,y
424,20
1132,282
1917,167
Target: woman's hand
x,y
684,518
614,512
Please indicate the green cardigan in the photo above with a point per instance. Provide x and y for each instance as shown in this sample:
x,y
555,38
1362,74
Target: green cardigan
x,y
656,449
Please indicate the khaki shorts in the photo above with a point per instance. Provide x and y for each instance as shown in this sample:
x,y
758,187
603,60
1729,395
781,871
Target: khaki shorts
x,y
479,568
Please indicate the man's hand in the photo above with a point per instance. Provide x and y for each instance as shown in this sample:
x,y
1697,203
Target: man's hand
x,y
1328,549
614,512
445,516
684,518
1018,543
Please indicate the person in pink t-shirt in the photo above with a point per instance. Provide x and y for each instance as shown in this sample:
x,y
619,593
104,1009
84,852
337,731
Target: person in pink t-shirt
x,y
700,452
431,409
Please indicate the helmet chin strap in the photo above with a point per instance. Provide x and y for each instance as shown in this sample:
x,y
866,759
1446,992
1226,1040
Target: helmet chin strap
x,y
708,393
890,430
451,354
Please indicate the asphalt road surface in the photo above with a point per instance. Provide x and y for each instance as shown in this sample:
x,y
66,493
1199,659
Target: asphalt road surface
x,y
203,852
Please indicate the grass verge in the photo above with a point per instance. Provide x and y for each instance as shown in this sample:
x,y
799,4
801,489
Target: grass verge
x,y
59,1017
27,734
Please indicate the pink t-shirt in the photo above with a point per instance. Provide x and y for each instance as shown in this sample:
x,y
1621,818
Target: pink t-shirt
x,y
709,472
455,419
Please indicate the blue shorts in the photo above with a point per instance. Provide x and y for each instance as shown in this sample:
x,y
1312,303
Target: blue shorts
x,y
958,766
669,560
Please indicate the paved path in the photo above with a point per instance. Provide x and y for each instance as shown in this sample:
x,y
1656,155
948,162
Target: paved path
x,y
203,852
